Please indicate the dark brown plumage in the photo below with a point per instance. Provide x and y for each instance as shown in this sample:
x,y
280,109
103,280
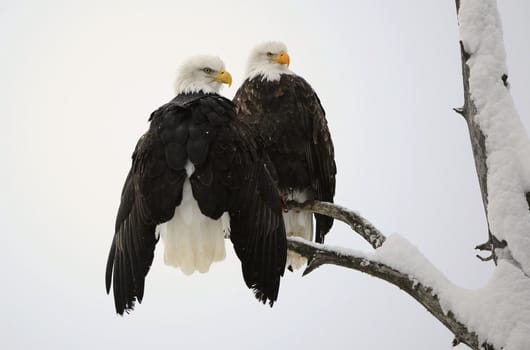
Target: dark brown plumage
x,y
230,176
291,123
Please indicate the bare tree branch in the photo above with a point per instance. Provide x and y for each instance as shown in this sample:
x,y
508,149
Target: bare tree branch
x,y
357,223
319,254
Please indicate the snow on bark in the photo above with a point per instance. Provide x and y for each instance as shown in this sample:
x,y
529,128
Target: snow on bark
x,y
496,316
507,144
497,313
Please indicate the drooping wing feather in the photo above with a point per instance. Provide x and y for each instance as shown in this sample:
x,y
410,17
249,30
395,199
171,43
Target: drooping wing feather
x,y
203,130
258,233
151,192
234,178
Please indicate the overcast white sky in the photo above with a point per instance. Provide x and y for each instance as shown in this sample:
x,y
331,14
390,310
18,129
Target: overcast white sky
x,y
78,82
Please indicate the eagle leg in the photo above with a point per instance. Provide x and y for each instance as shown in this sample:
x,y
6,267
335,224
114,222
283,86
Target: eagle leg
x,y
284,197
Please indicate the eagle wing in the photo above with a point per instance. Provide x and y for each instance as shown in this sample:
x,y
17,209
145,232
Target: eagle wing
x,y
235,178
152,190
257,227
230,175
319,151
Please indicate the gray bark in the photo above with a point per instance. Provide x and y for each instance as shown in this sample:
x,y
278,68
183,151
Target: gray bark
x,y
478,145
357,223
319,254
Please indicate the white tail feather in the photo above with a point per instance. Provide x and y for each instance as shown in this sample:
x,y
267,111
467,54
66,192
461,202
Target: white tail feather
x,y
299,224
193,241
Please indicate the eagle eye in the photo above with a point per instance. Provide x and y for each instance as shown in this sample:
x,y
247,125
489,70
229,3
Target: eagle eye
x,y
270,54
207,70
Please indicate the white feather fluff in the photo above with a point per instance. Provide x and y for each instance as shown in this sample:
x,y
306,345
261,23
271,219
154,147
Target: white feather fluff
x,y
299,224
193,241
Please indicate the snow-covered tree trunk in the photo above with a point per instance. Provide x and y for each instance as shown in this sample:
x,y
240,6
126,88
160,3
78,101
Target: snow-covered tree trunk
x,y
500,144
498,315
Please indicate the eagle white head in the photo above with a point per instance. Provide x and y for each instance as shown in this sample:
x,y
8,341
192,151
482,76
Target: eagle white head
x,y
201,73
270,60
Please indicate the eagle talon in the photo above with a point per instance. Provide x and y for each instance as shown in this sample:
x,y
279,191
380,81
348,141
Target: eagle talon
x,y
284,198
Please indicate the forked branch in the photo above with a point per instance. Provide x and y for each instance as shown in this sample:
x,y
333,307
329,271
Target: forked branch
x,y
319,254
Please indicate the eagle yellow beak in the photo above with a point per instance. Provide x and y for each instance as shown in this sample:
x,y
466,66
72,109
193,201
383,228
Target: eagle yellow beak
x,y
282,58
223,77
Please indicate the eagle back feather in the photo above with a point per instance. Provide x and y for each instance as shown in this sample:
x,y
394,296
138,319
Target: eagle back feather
x,y
292,126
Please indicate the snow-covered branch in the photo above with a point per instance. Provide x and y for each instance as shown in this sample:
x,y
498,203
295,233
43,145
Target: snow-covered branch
x,y
496,316
357,223
381,265
493,317
395,260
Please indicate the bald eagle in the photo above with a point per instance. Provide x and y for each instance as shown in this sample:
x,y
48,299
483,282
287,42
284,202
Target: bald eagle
x,y
197,176
288,115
